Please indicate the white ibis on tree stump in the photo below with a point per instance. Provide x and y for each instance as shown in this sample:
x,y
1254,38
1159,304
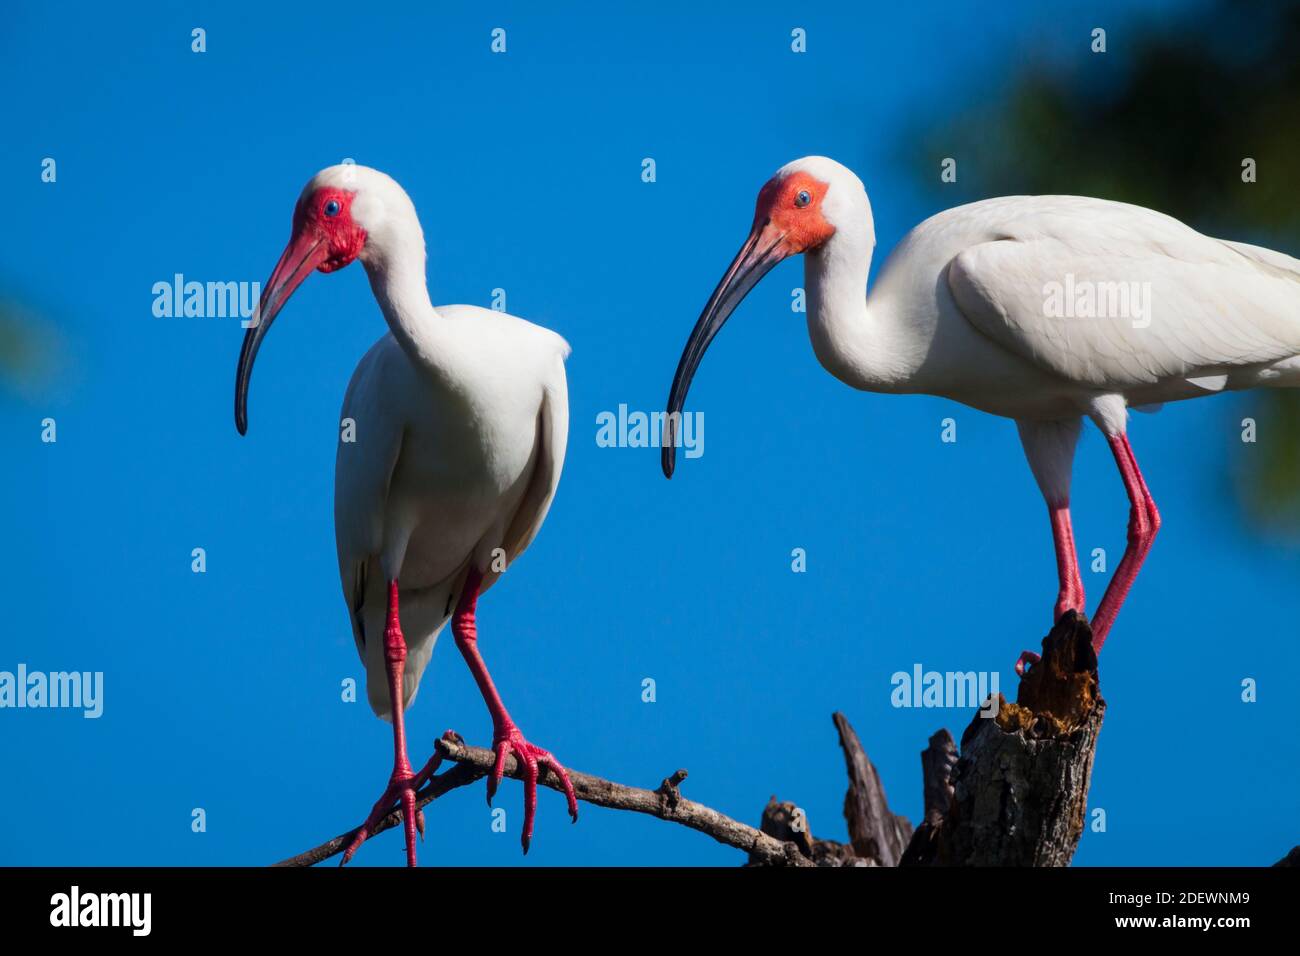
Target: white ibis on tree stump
x,y
1042,309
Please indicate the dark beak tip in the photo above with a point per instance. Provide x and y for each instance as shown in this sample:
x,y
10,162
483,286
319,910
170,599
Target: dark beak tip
x,y
749,266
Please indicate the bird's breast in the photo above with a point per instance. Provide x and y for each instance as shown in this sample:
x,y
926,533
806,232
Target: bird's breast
x,y
460,478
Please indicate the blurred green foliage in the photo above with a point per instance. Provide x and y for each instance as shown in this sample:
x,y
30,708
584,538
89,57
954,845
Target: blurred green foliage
x,y
1164,118
26,350
15,344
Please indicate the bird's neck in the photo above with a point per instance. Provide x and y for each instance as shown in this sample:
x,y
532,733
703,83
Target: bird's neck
x,y
397,278
856,337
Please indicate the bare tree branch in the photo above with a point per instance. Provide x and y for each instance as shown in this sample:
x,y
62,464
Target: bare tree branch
x,y
1015,795
665,802
460,775
789,824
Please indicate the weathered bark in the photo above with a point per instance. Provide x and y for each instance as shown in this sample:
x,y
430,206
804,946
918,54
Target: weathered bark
x,y
1020,787
937,764
938,761
878,835
786,822
875,832
1017,795
665,802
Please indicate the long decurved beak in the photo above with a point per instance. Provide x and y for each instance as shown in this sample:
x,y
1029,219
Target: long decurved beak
x,y
306,250
765,247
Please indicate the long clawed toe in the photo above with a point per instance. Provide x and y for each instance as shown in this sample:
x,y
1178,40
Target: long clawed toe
x,y
1026,658
399,794
530,759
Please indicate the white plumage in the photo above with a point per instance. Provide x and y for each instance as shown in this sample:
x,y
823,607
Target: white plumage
x,y
959,308
454,429
977,304
445,470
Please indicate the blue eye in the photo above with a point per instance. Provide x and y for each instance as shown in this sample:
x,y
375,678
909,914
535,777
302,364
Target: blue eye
x,y
332,207
802,199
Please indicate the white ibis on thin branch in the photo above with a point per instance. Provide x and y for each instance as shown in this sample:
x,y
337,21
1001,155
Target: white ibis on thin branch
x,y
460,417
1042,309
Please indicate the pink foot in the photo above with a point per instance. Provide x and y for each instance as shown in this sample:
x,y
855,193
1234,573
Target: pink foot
x,y
530,759
1026,657
400,792
506,738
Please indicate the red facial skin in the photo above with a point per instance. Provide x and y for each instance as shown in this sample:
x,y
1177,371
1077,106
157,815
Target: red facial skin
x,y
344,237
319,242
804,227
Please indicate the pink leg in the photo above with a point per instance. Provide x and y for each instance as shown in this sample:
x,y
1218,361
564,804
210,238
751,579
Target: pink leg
x,y
506,737
1143,522
403,783
1069,595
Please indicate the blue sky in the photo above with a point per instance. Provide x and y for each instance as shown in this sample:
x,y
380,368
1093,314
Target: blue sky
x,y
222,690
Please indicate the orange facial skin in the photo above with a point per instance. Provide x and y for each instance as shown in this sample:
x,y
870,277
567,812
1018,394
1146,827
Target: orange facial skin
x,y
804,226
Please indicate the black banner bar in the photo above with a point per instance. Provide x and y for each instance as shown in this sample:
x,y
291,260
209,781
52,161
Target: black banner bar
x,y
329,904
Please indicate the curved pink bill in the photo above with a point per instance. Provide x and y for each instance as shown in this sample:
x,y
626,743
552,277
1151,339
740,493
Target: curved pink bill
x,y
307,249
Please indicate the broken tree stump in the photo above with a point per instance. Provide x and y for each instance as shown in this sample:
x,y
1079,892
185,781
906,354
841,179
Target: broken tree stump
x,y
1020,787
877,835
875,832
787,822
938,761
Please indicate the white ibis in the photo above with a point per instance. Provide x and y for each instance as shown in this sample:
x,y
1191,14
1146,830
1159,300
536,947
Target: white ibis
x,y
1042,309
461,421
